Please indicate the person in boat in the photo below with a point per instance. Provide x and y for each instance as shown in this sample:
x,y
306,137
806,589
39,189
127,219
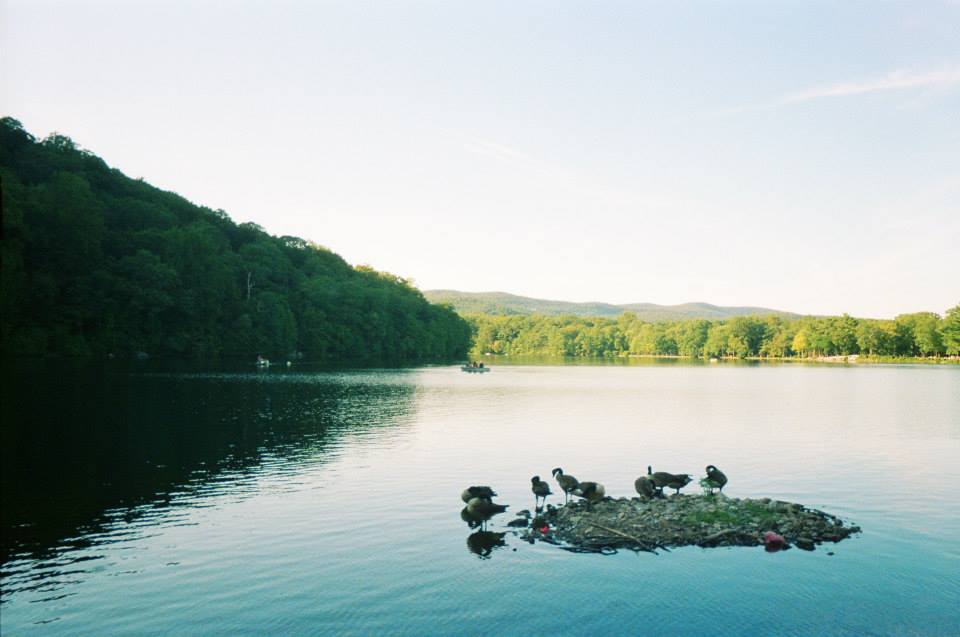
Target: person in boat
x,y
480,365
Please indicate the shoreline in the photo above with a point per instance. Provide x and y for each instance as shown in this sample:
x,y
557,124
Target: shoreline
x,y
850,359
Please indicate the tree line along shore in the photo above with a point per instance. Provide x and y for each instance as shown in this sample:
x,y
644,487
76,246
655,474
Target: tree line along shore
x,y
920,336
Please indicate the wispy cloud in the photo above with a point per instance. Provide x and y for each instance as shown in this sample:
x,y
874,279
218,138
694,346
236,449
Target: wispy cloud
x,y
931,80
896,80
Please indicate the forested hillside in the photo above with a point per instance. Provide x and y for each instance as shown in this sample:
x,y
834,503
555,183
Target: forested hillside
x,y
503,304
908,335
96,263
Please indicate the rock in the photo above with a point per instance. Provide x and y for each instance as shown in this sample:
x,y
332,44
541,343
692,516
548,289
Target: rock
x,y
805,543
519,522
524,513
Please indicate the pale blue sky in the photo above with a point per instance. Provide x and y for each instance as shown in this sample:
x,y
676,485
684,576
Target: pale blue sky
x,y
797,155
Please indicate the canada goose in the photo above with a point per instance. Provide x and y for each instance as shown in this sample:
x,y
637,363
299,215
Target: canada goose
x,y
663,479
680,480
567,482
591,491
473,521
540,490
477,492
716,478
484,508
645,487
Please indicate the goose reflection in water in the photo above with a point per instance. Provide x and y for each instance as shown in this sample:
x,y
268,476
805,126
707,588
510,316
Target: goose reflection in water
x,y
482,543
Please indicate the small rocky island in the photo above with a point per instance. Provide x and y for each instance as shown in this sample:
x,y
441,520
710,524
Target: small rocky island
x,y
651,524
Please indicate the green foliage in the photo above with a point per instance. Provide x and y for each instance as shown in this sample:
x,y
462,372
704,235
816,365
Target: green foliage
x,y
951,331
97,263
921,334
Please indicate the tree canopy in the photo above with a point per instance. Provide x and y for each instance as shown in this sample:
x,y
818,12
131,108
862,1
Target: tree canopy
x,y
919,334
96,263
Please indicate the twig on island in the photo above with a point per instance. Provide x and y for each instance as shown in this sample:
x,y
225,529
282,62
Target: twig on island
x,y
644,545
710,539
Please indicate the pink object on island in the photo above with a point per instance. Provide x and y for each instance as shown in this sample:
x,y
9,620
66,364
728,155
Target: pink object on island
x,y
774,541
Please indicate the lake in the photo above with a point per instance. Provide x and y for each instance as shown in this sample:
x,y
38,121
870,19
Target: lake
x,y
140,500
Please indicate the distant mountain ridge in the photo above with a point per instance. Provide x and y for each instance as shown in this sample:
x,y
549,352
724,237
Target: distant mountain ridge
x,y
502,303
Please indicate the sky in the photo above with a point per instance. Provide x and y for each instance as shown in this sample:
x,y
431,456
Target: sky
x,y
803,156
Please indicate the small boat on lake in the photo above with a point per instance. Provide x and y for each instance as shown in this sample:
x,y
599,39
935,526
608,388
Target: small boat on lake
x,y
474,369
262,362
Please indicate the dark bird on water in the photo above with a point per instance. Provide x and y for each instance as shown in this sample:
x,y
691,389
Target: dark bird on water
x,y
567,482
716,478
645,487
663,479
477,492
591,491
540,490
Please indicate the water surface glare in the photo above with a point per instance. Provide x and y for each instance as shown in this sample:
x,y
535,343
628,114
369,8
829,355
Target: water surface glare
x,y
141,502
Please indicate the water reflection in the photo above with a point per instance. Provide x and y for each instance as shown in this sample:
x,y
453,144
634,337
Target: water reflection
x,y
482,543
99,457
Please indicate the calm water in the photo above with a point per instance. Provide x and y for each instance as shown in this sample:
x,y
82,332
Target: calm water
x,y
143,502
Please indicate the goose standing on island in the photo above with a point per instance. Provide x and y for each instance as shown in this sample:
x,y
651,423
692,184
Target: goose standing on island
x,y
663,479
680,480
592,492
567,482
715,478
540,490
645,487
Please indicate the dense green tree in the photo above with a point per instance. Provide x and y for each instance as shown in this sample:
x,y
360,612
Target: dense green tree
x,y
951,331
927,337
717,338
691,337
843,334
870,337
97,263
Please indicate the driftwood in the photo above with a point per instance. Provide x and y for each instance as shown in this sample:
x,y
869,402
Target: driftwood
x,y
645,544
711,539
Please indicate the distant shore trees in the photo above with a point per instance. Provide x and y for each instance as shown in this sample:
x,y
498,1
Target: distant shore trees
x,y
922,334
